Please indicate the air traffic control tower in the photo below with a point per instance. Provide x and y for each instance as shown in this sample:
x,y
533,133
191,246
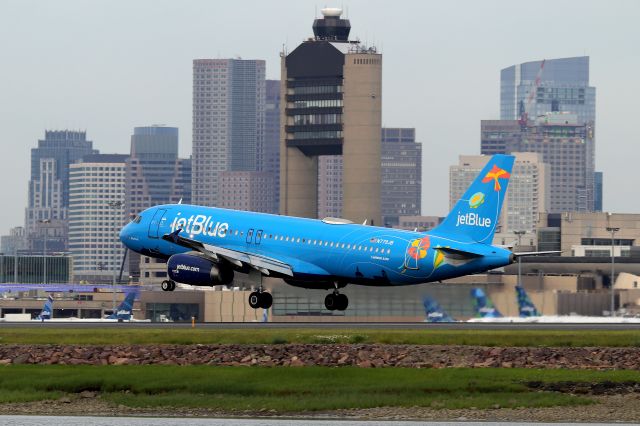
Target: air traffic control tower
x,y
331,88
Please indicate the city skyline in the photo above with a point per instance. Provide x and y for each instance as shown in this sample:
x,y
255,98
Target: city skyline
x,y
91,67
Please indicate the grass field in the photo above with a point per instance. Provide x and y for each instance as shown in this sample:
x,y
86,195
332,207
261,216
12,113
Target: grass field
x,y
39,335
288,390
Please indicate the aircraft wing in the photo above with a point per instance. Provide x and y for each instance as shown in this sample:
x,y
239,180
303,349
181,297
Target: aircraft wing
x,y
239,258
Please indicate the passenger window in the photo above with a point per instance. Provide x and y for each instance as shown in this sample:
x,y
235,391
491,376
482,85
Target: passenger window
x,y
287,239
342,246
298,240
331,245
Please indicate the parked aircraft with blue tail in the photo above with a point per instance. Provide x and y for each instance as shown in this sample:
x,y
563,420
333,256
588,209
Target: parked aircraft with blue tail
x,y
434,311
526,308
206,246
123,313
528,313
483,306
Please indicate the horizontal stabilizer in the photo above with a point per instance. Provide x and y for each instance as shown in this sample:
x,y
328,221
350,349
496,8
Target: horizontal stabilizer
x,y
536,253
456,253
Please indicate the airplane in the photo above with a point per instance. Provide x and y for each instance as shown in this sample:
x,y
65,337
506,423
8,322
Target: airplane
x,y
47,310
206,246
528,313
482,305
526,307
434,311
123,313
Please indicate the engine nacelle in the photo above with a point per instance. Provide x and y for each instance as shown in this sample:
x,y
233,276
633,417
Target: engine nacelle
x,y
195,270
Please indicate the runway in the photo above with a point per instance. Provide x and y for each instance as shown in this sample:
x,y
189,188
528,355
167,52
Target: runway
x,y
328,326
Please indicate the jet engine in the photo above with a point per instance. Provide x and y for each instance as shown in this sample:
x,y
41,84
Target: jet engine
x,y
196,270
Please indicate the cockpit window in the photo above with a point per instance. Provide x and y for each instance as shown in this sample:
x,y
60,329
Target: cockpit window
x,y
137,219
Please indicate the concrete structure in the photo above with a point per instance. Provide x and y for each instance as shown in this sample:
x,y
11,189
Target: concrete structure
x,y
586,233
331,91
527,194
228,121
563,86
96,215
14,242
250,191
154,175
401,174
567,147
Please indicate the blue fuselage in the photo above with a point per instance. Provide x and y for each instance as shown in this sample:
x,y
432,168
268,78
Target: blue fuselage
x,y
315,249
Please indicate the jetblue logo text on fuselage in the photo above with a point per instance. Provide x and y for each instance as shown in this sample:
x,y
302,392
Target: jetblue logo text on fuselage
x,y
200,224
473,219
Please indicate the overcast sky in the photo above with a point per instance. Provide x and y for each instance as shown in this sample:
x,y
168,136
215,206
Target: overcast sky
x,y
108,66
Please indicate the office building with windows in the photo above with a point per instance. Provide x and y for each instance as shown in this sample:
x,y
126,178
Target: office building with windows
x,y
96,215
48,197
228,121
566,148
154,175
401,175
249,191
269,160
563,86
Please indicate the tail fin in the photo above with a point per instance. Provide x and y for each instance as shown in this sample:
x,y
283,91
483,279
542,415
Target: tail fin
x,y
125,309
434,311
483,305
475,216
525,305
47,309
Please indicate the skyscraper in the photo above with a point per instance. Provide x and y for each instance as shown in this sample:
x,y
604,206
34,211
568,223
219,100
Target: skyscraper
x,y
96,214
401,174
155,175
401,171
563,86
49,184
228,121
566,147
270,153
331,105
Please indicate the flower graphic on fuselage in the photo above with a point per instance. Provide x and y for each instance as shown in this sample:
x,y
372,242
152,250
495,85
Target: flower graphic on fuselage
x,y
419,248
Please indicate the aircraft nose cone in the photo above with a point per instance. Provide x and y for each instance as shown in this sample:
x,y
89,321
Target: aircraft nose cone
x,y
124,234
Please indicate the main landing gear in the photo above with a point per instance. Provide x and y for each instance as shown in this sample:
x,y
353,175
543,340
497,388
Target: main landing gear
x,y
336,301
260,299
168,285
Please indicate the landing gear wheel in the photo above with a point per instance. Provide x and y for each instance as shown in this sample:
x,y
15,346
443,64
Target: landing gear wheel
x,y
330,302
266,300
168,285
342,302
254,300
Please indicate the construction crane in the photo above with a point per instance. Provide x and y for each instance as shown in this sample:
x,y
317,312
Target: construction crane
x,y
524,113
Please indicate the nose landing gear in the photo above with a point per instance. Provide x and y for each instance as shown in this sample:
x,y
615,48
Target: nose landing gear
x,y
168,285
